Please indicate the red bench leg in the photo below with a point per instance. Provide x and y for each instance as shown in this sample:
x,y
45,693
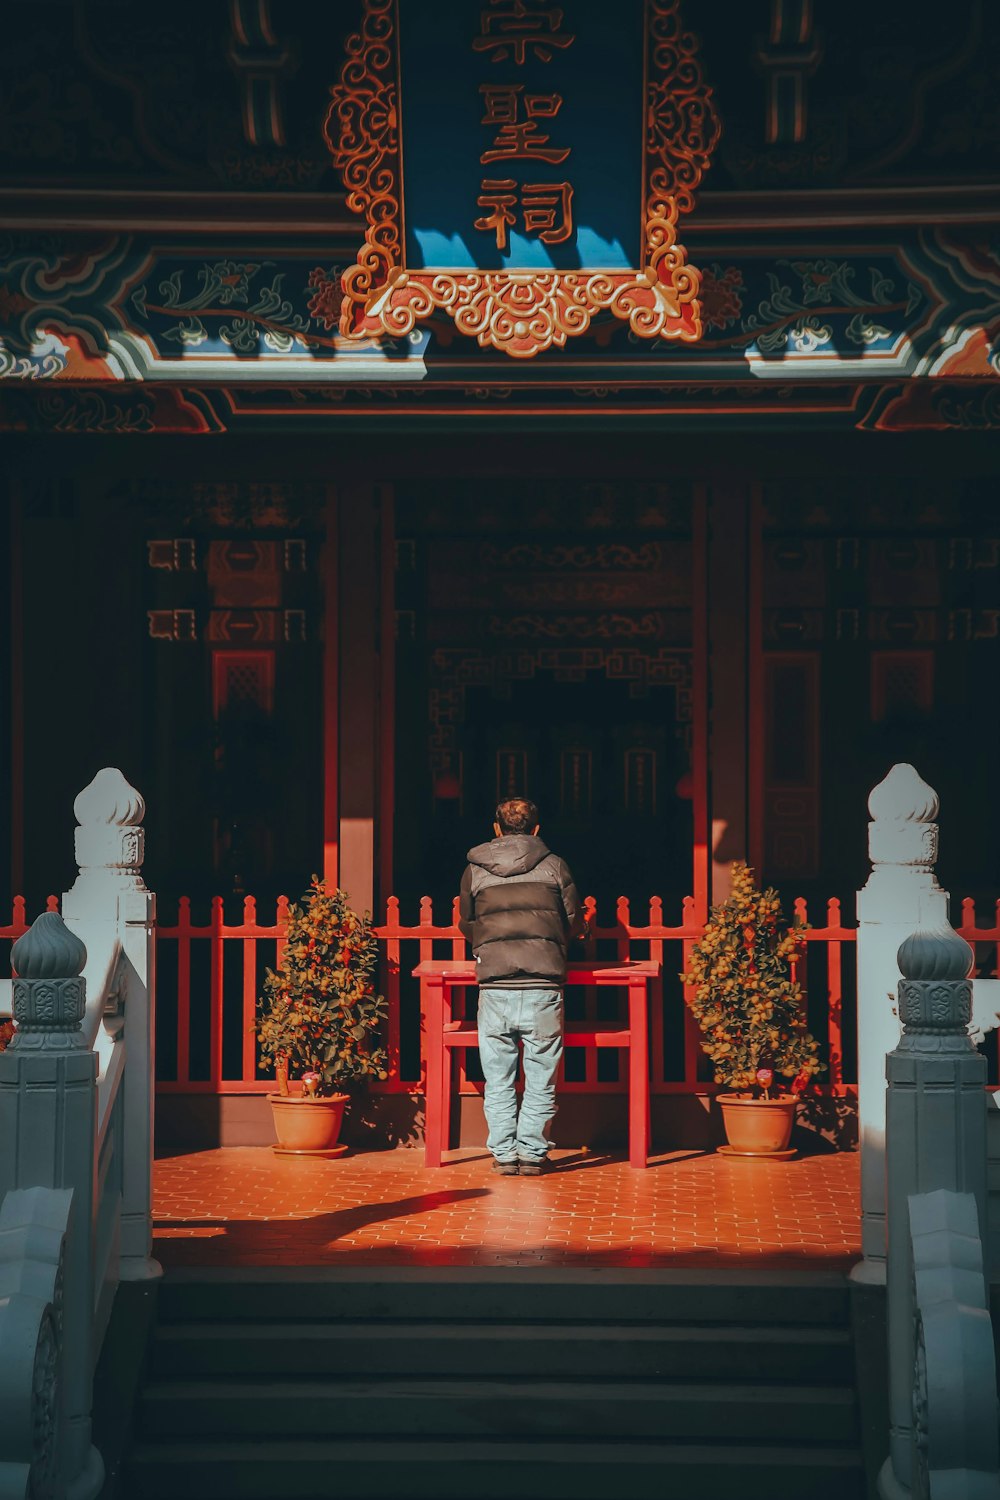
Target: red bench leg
x,y
435,1105
638,1075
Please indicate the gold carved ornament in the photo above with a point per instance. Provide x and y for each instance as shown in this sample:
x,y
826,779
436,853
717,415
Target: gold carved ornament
x,y
520,312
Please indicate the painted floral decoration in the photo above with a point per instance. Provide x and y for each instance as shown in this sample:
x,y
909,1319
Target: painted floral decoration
x,y
327,296
319,1013
721,296
749,1009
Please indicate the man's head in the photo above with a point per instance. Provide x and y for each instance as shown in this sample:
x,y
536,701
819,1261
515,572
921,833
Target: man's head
x,y
516,815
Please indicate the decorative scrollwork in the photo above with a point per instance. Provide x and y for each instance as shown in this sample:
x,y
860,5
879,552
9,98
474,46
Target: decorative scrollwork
x,y
520,312
362,131
44,1409
921,1476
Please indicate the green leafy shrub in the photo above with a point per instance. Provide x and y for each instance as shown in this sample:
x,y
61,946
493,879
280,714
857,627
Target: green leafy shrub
x,y
319,1011
749,1009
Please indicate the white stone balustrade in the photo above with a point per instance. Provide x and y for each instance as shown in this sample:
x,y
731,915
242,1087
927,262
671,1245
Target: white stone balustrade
x,y
902,893
48,1123
76,1114
110,904
935,1144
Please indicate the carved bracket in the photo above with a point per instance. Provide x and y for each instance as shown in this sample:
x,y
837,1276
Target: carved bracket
x,y
33,1227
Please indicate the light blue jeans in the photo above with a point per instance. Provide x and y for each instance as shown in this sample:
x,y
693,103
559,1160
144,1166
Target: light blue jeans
x,y
536,1018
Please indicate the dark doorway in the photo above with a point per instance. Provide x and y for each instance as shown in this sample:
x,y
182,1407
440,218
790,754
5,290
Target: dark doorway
x,y
544,649
603,767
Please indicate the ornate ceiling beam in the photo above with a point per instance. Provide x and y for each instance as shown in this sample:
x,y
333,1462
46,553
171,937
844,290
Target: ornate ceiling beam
x,y
261,63
788,58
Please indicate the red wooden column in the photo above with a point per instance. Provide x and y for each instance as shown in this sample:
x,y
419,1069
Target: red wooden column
x,y
755,681
331,691
702,826
361,682
384,883
358,559
16,742
735,758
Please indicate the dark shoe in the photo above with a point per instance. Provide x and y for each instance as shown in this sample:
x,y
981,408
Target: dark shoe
x,y
506,1168
535,1168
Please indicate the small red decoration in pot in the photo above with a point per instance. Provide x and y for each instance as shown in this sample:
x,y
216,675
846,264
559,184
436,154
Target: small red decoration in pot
x,y
310,1084
800,1082
765,1077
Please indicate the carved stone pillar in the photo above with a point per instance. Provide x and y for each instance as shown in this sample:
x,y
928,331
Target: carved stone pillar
x,y
109,898
935,1138
33,1229
902,893
48,1122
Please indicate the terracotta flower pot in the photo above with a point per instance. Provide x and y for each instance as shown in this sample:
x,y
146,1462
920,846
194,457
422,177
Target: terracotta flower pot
x,y
307,1127
758,1127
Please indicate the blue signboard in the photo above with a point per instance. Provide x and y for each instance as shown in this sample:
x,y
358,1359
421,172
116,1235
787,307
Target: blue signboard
x,y
521,134
521,167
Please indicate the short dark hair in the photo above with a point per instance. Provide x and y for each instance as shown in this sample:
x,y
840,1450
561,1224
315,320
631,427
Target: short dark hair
x,y
517,815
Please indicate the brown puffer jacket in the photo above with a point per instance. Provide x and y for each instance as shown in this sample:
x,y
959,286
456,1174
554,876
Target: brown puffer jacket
x,y
519,908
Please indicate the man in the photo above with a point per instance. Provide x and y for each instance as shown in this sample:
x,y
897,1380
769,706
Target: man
x,y
519,908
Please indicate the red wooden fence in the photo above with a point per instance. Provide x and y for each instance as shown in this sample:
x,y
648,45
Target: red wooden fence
x,y
209,976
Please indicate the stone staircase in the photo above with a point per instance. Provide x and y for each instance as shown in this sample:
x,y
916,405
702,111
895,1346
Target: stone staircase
x,y
542,1384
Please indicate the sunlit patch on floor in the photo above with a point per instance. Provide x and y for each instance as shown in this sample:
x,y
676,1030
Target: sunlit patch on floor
x,y
246,1206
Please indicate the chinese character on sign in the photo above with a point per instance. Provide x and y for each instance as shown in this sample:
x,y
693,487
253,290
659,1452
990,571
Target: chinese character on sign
x,y
511,28
520,139
500,198
546,209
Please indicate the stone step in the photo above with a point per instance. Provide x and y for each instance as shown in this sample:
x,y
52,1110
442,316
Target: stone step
x,y
437,1470
485,1294
813,1355
531,1409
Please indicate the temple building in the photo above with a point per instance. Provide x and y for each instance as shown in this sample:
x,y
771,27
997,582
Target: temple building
x,y
693,591
332,550
409,405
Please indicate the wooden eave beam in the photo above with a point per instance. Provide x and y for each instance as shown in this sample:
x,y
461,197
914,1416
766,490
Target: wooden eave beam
x,y
142,210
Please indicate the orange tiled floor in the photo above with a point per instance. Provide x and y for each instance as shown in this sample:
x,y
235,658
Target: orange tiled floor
x,y
247,1206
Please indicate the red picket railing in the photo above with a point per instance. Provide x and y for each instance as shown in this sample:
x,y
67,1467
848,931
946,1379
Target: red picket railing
x,y
17,927
218,1004
209,977
980,936
257,943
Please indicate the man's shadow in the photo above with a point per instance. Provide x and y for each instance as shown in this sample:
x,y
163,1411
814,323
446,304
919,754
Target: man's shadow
x,y
321,1230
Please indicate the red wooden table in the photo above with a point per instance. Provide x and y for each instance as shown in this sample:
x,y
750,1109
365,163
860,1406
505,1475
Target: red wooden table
x,y
438,978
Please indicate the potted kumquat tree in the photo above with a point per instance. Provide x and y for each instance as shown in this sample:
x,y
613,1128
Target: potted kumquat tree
x,y
751,1014
319,1019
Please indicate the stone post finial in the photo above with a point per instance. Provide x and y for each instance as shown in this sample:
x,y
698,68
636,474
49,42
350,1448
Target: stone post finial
x,y
903,793
935,992
903,830
110,799
49,996
110,839
935,953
